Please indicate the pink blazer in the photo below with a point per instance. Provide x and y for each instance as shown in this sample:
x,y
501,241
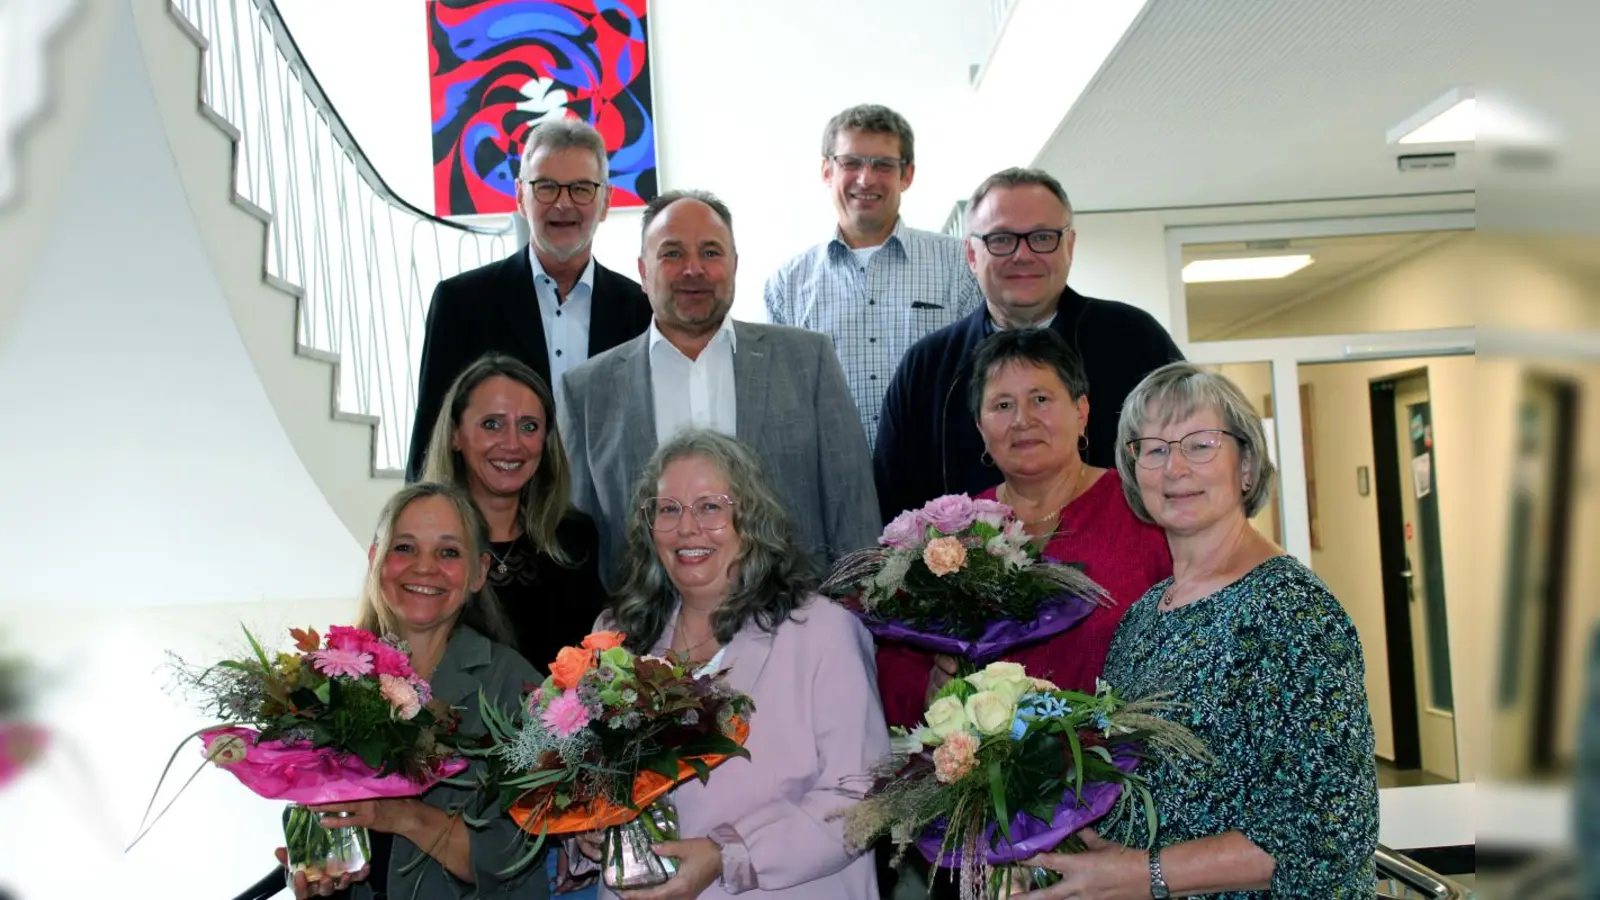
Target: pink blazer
x,y
817,729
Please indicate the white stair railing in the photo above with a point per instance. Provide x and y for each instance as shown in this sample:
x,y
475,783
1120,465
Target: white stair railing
x,y
362,260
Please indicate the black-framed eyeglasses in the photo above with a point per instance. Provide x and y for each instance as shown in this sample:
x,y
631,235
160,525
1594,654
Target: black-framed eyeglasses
x,y
1197,447
1005,243
882,165
712,511
582,193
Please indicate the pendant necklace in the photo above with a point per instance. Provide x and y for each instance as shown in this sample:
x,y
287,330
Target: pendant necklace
x,y
500,561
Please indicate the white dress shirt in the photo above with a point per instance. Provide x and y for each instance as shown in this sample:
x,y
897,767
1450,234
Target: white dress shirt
x,y
566,324
697,392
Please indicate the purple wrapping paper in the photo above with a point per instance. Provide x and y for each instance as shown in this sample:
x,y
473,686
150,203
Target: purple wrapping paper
x,y
1029,835
998,638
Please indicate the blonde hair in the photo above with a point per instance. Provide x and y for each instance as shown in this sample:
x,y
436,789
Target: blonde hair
x,y
481,610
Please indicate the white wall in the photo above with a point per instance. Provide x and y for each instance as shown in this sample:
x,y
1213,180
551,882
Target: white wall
x,y
153,503
742,92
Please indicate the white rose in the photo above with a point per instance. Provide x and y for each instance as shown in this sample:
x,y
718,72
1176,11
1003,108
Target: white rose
x,y
945,716
1007,678
990,712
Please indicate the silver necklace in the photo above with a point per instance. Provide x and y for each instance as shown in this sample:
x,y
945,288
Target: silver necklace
x,y
500,561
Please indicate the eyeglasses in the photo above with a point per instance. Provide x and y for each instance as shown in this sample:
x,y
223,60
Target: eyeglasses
x,y
712,511
1197,446
882,165
1005,243
581,192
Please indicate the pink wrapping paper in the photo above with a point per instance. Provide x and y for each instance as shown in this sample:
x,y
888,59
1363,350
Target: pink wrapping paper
x,y
293,771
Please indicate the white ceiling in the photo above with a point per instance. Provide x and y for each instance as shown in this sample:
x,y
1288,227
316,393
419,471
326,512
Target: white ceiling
x,y
1218,309
1241,101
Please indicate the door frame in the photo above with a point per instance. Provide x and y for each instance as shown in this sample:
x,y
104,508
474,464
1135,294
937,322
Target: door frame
x,y
1404,698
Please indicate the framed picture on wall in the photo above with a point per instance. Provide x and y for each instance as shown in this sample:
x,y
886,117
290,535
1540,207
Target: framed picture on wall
x,y
496,70
1307,444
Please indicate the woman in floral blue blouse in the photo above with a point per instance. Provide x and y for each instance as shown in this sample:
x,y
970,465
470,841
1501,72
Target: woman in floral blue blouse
x,y
1263,662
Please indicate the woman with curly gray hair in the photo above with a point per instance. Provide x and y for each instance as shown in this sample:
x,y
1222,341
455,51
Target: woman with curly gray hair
x,y
713,575
1262,663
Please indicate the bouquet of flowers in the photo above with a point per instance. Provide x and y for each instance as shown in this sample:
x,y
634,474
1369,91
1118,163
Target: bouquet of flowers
x,y
342,720
603,740
1007,766
960,576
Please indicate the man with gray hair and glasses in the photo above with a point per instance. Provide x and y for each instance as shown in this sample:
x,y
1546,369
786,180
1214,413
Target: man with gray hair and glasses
x,y
550,304
1019,245
878,285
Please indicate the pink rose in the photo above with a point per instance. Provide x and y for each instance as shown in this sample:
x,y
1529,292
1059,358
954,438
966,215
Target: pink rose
x,y
565,716
992,513
343,637
906,531
944,556
951,513
401,695
954,759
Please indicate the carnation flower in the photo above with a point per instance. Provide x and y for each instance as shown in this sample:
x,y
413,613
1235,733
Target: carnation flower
x,y
954,759
944,556
348,663
906,531
343,637
951,513
386,660
401,695
565,716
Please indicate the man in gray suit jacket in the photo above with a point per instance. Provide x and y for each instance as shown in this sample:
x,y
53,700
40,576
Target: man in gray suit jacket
x,y
781,390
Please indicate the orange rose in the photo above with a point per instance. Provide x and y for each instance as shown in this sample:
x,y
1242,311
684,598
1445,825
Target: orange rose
x,y
603,640
570,665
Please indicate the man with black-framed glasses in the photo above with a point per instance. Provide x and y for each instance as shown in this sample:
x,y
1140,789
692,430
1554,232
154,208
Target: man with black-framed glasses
x,y
550,304
1019,246
878,286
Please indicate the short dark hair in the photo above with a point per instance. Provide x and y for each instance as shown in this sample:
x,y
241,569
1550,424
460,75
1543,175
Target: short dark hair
x,y
874,118
1028,346
661,201
1017,176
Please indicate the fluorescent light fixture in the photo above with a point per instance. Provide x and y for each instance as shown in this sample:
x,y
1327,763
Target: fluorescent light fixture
x,y
1245,268
1451,119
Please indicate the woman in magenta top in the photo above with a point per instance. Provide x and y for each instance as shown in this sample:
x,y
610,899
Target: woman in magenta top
x,y
1030,398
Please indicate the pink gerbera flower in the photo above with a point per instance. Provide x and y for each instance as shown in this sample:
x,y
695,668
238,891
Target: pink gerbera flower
x,y
565,716
349,663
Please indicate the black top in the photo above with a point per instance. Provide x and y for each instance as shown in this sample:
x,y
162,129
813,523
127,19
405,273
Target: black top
x,y
549,605
928,444
494,309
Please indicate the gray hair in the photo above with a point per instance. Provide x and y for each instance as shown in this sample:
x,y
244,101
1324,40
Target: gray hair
x,y
660,202
1016,177
1175,392
774,578
565,133
481,610
873,118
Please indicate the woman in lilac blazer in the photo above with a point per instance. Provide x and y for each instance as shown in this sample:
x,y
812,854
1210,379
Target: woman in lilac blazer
x,y
712,572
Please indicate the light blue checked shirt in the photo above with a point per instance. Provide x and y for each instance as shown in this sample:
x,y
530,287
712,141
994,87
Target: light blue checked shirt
x,y
917,282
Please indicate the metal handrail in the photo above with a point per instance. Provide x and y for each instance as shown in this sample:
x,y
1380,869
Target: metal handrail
x,y
1396,867
362,260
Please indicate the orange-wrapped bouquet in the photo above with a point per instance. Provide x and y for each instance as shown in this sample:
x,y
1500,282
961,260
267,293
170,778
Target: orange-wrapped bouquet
x,y
602,741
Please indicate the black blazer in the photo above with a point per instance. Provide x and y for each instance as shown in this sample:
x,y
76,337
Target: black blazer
x,y
494,309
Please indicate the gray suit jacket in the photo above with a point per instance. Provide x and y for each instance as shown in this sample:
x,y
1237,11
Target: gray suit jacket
x,y
793,408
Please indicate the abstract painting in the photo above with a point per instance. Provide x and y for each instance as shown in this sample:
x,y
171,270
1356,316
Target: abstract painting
x,y
497,68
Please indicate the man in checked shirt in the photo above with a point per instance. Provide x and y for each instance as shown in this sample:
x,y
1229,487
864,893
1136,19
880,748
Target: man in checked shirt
x,y
878,285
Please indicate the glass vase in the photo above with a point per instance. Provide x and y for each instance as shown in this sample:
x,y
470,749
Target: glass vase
x,y
626,860
318,851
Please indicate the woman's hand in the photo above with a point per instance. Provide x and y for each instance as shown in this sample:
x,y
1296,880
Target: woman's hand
x,y
944,669
699,864
322,887
389,816
1104,871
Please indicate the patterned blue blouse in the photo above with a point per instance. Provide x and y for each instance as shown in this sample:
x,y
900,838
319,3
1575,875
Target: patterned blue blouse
x,y
1270,676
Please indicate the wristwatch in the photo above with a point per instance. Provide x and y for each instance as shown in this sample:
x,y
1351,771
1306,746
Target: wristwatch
x,y
1158,884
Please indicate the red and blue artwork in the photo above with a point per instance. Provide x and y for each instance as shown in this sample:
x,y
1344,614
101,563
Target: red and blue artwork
x,y
497,68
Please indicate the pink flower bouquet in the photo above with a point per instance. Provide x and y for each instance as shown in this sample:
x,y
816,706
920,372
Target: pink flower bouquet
x,y
960,576
344,719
